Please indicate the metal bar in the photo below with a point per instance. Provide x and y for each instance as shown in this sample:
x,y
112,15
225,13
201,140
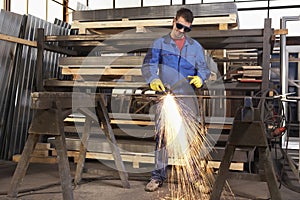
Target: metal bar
x,y
133,36
284,62
266,56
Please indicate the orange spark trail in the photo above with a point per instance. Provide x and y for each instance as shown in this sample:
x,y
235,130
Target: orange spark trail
x,y
187,145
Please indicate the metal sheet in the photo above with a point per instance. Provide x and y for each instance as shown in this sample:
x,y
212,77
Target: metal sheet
x,y
18,68
199,10
10,24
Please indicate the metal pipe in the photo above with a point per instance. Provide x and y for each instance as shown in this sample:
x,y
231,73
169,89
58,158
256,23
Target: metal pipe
x,y
284,62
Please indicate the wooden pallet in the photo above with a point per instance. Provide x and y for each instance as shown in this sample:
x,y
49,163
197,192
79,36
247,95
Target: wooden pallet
x,y
140,25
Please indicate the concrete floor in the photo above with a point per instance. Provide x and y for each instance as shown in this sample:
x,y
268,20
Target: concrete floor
x,y
101,182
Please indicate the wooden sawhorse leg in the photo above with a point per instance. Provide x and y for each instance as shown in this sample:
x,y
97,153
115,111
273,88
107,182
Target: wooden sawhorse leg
x,y
22,166
102,116
223,173
83,149
269,173
45,122
64,167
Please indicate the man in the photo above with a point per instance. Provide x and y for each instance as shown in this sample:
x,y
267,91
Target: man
x,y
177,61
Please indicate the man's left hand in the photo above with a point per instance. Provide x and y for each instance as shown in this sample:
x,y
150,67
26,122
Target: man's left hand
x,y
196,80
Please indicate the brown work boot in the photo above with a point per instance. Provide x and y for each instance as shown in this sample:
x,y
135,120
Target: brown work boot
x,y
153,185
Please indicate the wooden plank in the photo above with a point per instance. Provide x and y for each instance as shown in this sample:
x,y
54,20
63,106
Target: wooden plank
x,y
82,26
42,146
101,66
231,18
233,165
9,38
131,122
219,126
139,158
132,116
40,153
36,159
223,26
100,84
101,61
105,71
281,32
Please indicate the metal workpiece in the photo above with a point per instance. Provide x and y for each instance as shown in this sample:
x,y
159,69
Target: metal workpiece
x,y
199,10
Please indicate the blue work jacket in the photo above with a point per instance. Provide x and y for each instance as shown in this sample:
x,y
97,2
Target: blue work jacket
x,y
165,61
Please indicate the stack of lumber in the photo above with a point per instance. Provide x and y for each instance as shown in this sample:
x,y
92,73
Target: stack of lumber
x,y
41,154
245,74
222,15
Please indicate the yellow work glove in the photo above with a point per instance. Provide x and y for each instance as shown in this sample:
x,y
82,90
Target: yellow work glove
x,y
196,80
157,85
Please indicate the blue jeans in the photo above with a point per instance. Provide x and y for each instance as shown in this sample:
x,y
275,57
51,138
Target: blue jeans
x,y
161,162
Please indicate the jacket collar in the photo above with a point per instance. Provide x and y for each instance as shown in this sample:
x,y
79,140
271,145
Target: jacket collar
x,y
168,39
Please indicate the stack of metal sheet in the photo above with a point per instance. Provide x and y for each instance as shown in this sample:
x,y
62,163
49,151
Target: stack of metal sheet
x,y
18,68
199,10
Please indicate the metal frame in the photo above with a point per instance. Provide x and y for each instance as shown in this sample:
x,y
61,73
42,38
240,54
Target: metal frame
x,y
284,80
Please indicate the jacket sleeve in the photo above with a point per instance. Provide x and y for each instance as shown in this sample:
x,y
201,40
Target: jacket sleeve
x,y
151,62
202,70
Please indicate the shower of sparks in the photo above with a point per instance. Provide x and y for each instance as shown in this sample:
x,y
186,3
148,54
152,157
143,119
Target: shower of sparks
x,y
187,145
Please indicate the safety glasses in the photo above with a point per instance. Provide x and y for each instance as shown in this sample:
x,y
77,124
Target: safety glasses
x,y
181,26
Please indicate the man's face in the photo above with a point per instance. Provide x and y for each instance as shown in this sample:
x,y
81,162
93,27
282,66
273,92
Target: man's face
x,y
180,26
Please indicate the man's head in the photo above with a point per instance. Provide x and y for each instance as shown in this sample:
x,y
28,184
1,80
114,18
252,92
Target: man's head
x,y
186,14
182,23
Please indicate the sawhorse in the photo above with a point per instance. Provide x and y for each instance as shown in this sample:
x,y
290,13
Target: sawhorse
x,y
51,108
247,131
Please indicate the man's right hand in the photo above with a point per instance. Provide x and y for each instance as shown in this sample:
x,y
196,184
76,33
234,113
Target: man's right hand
x,y
157,85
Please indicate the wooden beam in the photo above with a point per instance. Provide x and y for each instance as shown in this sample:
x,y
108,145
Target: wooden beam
x,y
104,71
9,38
100,84
96,61
281,31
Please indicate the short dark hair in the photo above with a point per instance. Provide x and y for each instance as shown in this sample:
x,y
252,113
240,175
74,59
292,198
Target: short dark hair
x,y
187,14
